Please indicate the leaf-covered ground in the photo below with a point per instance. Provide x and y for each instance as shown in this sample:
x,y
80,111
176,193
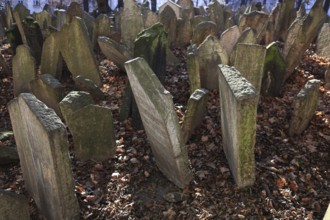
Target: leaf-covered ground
x,y
292,173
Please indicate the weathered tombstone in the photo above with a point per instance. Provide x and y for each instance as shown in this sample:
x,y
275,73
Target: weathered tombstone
x,y
19,24
300,34
13,206
101,27
87,85
184,30
51,58
193,69
196,20
256,20
249,61
160,122
210,54
323,41
114,51
22,11
229,38
91,127
131,23
186,4
283,14
248,36
89,22
150,19
175,7
274,70
9,13
169,20
304,107
61,18
203,30
151,44
77,51
42,144
217,16
44,20
238,102
196,110
74,10
24,70
48,90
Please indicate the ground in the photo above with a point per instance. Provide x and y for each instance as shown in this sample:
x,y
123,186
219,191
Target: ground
x,y
292,173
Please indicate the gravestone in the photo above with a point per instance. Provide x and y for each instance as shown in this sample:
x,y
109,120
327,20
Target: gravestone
x,y
61,18
216,14
184,30
193,69
51,58
304,107
160,122
210,55
274,70
323,41
186,4
327,77
249,61
14,37
229,38
248,36
77,51
256,20
13,206
196,20
101,27
42,144
44,20
87,85
203,30
150,19
131,23
74,10
22,11
114,51
24,70
169,20
300,34
175,7
196,110
48,90
283,15
9,15
238,104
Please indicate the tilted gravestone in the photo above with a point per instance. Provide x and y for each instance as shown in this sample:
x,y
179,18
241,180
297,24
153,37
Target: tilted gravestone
x,y
87,85
42,144
274,70
248,36
217,16
283,15
51,58
169,20
300,34
160,122
22,11
184,30
77,51
256,20
196,110
131,23
48,90
44,20
14,206
91,127
323,41
249,61
150,19
101,27
24,70
210,54
116,52
203,30
304,107
238,103
229,38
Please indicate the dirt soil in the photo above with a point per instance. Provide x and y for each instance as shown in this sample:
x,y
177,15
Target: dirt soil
x,y
292,173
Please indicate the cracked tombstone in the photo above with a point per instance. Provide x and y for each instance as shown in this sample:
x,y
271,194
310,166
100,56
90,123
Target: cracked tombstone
x,y
300,34
91,126
229,38
131,23
249,61
42,145
323,41
51,58
210,54
77,51
14,206
274,70
168,18
160,122
304,107
238,103
24,70
196,110
48,90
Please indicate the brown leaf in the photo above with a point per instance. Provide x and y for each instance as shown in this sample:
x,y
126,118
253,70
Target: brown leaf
x,y
293,186
281,182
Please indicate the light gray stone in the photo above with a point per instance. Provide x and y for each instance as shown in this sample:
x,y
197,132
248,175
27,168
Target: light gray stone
x,y
24,70
323,41
216,14
238,103
304,107
13,206
42,144
101,27
169,20
160,122
229,38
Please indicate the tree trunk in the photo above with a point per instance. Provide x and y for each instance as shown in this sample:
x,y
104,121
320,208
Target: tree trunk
x,y
154,5
326,5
